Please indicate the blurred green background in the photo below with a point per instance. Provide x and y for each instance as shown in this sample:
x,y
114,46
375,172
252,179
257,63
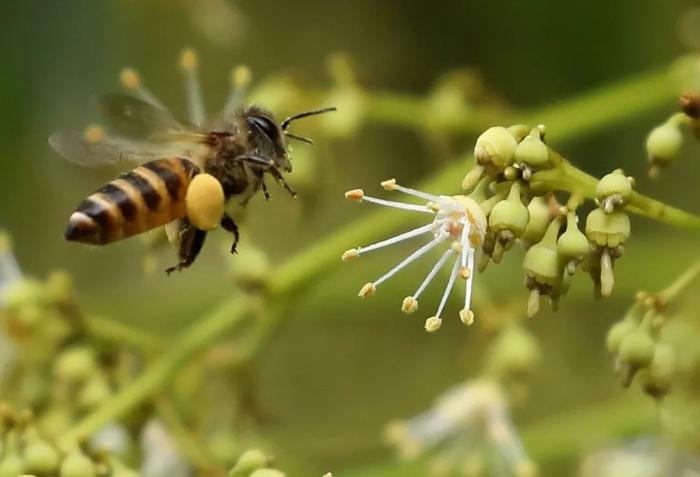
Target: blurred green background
x,y
339,369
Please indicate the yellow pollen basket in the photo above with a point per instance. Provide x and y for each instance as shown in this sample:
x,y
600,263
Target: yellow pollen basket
x,y
205,202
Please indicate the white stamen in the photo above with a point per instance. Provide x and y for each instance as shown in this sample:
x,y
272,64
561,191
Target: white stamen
x,y
436,268
415,255
398,205
193,90
146,95
470,279
131,81
396,239
240,80
464,240
416,193
450,284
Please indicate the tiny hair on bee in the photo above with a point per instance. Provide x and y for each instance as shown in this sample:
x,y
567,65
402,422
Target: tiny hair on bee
x,y
185,172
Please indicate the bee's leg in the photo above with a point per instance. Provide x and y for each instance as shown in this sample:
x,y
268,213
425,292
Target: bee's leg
x,y
191,242
230,226
268,165
278,176
264,188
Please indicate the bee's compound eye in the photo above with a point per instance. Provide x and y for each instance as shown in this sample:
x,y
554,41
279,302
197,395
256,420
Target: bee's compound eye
x,y
265,125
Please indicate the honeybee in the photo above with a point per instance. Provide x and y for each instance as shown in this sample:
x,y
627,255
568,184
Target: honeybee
x,y
185,172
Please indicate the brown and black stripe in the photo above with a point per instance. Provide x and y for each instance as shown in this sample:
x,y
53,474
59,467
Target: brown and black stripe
x,y
146,197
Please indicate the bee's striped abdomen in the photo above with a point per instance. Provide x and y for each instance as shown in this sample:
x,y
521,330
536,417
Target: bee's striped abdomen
x,y
149,196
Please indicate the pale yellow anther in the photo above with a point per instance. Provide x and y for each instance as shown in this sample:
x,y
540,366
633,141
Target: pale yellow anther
x,y
351,254
328,475
355,195
456,247
475,239
94,134
241,76
188,60
433,324
130,79
464,272
409,305
435,207
470,217
367,290
389,184
467,317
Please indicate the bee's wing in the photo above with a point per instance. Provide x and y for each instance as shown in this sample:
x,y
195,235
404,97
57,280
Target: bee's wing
x,y
133,118
79,148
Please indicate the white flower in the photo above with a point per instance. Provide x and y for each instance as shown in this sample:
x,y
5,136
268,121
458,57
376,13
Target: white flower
x,y
466,422
161,457
457,221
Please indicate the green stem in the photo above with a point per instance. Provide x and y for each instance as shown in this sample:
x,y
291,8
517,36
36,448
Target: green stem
x,y
565,176
207,330
414,111
676,288
117,332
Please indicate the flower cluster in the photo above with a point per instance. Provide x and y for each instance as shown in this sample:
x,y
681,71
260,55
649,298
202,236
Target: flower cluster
x,y
510,201
645,343
471,425
26,449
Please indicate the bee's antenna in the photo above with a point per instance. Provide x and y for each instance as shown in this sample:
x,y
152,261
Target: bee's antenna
x,y
307,140
285,123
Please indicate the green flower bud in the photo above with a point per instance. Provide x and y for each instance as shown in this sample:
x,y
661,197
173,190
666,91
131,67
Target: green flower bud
x,y
120,470
658,378
267,473
532,151
77,464
12,464
495,146
614,184
542,262
618,332
515,352
572,244
95,391
519,131
40,457
637,349
59,286
252,268
75,364
539,219
543,267
250,461
25,292
510,214
664,144
608,230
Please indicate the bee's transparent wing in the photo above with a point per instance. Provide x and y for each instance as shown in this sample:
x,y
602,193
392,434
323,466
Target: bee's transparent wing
x,y
80,148
134,118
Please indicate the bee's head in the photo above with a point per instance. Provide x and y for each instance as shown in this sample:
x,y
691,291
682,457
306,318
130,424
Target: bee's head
x,y
267,136
270,137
